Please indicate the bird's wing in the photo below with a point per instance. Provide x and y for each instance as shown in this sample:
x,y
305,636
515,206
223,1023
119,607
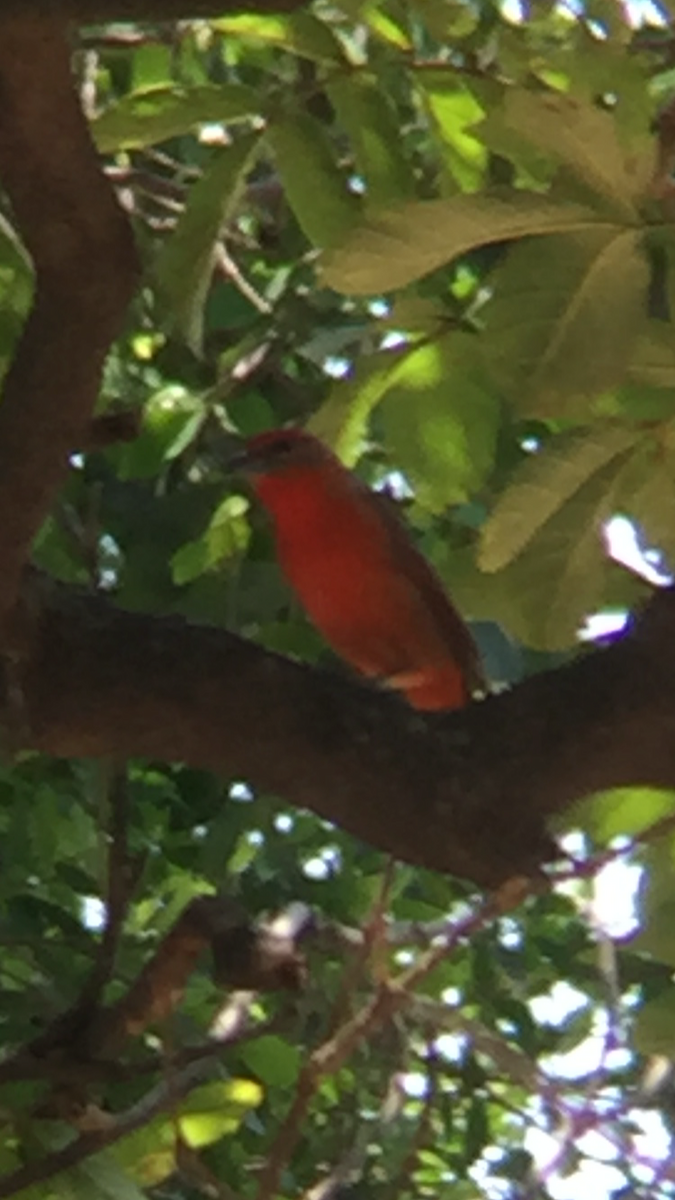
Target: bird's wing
x,y
451,626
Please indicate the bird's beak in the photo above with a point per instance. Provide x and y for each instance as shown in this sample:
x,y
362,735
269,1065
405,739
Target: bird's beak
x,y
247,461
239,463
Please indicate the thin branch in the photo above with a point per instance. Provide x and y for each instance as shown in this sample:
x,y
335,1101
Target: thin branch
x,y
444,1018
327,1059
245,957
159,1099
423,1136
121,880
373,938
288,1133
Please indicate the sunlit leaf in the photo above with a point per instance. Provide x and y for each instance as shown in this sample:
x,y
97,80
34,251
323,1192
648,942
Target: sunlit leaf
x,y
545,483
298,32
654,1031
315,186
440,420
171,419
225,538
342,419
215,1110
575,133
156,114
386,25
184,266
455,111
565,314
620,812
656,902
543,594
273,1060
391,249
370,120
652,362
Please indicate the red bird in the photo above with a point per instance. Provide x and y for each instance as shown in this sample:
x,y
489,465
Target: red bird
x,y
357,574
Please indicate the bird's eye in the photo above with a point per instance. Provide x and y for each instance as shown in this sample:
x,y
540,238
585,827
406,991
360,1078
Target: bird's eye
x,y
282,446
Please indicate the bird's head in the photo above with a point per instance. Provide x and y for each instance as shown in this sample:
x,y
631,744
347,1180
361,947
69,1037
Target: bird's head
x,y
281,452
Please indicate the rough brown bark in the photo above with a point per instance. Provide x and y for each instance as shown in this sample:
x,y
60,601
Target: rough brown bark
x,y
466,793
85,273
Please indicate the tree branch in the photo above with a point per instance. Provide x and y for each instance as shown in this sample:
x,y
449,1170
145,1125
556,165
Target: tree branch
x,y
85,274
92,12
467,792
162,1098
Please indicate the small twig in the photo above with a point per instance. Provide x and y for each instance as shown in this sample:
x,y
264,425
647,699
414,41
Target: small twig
x,y
389,999
197,1174
229,269
288,1133
349,1166
158,187
122,876
589,867
159,1099
373,934
344,1170
423,1135
509,1060
129,39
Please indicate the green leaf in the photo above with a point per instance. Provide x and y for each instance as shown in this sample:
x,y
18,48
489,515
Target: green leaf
x,y
391,249
216,1110
315,186
477,1129
440,420
564,317
156,114
546,482
545,592
342,419
299,32
575,133
648,490
226,537
455,111
369,118
652,361
575,1028
450,21
620,812
273,1060
390,26
171,420
654,1029
151,66
657,902
184,266
103,1175
211,1112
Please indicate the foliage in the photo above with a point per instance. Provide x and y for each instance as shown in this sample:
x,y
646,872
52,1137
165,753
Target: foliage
x,y
441,235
